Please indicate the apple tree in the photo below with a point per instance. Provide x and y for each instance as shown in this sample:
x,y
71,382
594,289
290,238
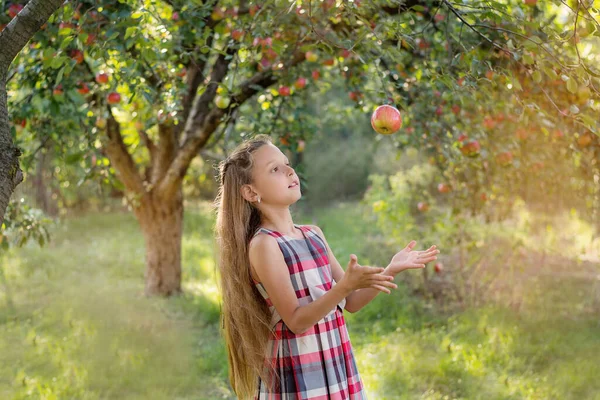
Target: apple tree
x,y
147,85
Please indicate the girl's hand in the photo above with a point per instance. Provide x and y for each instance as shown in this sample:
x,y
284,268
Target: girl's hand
x,y
409,259
358,277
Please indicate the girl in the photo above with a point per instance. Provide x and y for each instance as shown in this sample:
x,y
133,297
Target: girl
x,y
283,290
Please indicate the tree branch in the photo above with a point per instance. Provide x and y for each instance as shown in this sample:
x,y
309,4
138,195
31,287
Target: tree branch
x,y
205,121
119,157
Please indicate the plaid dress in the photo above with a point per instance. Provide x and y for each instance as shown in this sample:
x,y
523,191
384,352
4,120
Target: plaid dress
x,y
318,364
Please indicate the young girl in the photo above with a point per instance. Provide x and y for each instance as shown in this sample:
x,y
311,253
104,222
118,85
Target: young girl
x,y
283,290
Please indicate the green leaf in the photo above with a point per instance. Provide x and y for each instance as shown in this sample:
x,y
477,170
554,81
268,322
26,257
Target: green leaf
x,y
66,42
130,31
527,59
148,54
572,86
550,72
64,31
516,84
57,62
537,76
137,14
60,75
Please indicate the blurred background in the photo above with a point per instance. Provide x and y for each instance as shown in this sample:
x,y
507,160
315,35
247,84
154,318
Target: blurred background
x,y
496,163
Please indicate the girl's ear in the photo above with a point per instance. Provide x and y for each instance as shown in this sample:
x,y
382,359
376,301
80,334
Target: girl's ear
x,y
247,193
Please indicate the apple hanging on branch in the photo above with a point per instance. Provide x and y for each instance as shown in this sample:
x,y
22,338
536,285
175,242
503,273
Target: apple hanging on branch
x,y
386,120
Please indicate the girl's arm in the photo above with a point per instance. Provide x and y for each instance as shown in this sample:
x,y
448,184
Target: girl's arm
x,y
359,298
267,260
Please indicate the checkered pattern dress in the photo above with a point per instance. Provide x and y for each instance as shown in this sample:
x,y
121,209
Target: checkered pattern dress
x,y
318,364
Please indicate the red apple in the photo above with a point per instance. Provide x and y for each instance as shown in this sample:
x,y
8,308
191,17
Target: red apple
x,y
443,188
439,17
311,56
113,98
77,55
489,122
422,206
584,140
439,111
66,25
536,166
222,101
354,96
438,267
386,120
504,158
300,83
58,90
253,9
470,148
83,88
329,62
91,39
422,43
14,9
270,54
284,91
237,34
345,53
175,16
456,109
316,75
489,74
530,2
102,78
521,133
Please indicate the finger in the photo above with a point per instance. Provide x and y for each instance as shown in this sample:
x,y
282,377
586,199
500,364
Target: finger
x,y
425,260
375,281
381,288
373,270
411,245
416,266
353,260
382,277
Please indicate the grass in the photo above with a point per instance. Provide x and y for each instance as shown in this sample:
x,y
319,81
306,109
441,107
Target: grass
x,y
74,325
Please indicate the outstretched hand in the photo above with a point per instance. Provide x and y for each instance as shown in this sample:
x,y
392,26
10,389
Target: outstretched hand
x,y
409,259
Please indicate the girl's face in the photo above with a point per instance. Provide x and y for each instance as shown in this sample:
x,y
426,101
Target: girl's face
x,y
273,176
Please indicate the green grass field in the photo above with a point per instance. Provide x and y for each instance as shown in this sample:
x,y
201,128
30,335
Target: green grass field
x,y
75,325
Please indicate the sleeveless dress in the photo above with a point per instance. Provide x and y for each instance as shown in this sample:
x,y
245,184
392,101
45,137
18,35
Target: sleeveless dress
x,y
318,364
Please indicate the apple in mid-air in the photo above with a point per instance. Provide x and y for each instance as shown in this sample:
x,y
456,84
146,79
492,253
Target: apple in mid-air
x,y
386,120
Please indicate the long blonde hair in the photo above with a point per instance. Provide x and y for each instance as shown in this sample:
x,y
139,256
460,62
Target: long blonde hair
x,y
245,314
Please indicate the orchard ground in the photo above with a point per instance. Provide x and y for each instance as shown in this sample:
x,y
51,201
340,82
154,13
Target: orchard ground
x,y
73,323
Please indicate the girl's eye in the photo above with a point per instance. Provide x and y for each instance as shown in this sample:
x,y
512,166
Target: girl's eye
x,y
275,169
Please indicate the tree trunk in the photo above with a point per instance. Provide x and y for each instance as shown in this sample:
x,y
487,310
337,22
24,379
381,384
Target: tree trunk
x,y
161,221
10,172
42,182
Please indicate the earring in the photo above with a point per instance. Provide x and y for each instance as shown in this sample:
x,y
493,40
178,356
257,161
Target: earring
x,y
259,199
